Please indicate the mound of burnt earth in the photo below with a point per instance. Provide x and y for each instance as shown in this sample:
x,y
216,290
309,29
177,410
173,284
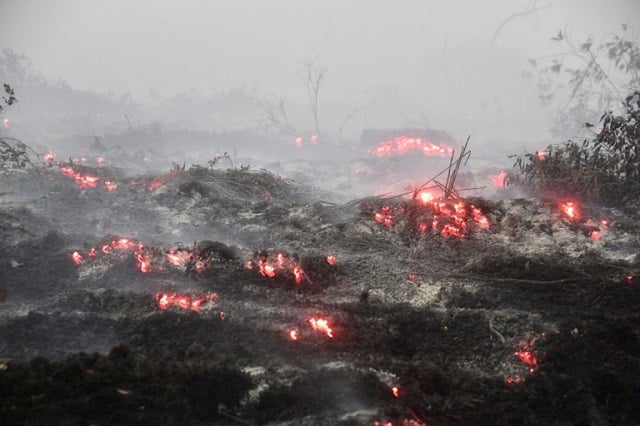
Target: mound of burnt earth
x,y
203,296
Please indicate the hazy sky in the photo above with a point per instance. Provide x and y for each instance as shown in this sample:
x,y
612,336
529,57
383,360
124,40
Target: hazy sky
x,y
428,53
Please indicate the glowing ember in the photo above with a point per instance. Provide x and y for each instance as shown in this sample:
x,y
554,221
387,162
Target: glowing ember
x,y
144,262
511,380
527,354
266,270
402,144
385,216
298,274
155,184
425,197
77,257
100,161
605,224
595,235
83,180
298,141
500,180
541,155
313,139
405,422
331,260
293,334
322,326
280,264
110,186
395,391
49,158
5,123
630,279
479,218
179,257
184,301
570,210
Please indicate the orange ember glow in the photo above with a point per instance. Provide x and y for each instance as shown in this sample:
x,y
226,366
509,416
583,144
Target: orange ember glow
x,y
512,380
402,144
385,216
280,264
426,197
527,354
77,257
499,180
155,184
49,158
595,235
179,257
405,422
331,260
570,210
110,186
322,326
541,155
83,180
395,391
630,279
293,334
298,141
184,301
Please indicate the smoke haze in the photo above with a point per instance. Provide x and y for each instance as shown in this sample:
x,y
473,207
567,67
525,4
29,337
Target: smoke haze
x,y
457,66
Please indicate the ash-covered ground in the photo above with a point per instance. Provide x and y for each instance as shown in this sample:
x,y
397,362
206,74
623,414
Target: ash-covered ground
x,y
219,293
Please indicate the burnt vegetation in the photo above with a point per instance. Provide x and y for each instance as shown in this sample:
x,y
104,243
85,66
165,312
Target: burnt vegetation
x,y
220,294
592,79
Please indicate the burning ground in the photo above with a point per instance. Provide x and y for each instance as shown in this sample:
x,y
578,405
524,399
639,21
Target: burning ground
x,y
203,296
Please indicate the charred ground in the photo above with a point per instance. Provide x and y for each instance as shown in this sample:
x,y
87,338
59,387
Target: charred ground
x,y
529,320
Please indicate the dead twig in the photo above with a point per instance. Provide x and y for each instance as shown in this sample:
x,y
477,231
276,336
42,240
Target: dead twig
x,y
495,331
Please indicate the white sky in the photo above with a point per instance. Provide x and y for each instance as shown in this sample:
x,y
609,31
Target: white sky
x,y
428,53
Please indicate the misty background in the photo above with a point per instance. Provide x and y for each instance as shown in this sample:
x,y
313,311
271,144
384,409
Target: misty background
x,y
463,67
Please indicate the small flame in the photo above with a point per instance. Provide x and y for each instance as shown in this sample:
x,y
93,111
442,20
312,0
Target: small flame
x,y
298,141
293,334
49,158
570,210
184,301
426,197
100,161
595,235
82,180
313,139
630,279
511,380
403,144
321,325
500,180
331,260
541,155
110,186
395,391
77,257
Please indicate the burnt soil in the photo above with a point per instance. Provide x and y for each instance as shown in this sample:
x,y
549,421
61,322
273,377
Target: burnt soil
x,y
526,322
